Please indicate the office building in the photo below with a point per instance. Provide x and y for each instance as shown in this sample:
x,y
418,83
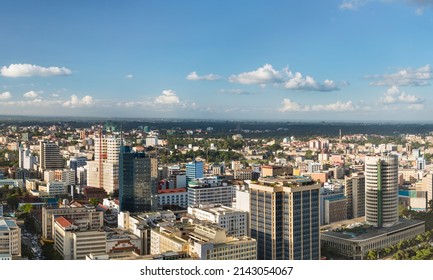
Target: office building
x,y
26,159
194,170
74,243
49,156
210,192
10,237
202,241
87,215
103,172
137,188
284,218
355,193
381,190
233,220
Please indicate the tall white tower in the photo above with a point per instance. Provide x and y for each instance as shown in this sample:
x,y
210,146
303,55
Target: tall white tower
x,y
381,190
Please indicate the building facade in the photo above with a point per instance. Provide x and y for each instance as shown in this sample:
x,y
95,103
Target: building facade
x,y
381,190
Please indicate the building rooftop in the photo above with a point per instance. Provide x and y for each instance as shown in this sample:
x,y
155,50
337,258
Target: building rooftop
x,y
364,231
63,222
7,224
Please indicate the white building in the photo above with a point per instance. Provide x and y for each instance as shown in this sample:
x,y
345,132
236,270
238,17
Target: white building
x,y
233,220
10,237
177,197
209,194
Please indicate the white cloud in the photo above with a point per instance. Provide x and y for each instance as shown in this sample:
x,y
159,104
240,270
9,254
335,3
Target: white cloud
x,y
193,76
31,94
290,106
29,70
352,4
416,107
129,76
5,95
235,91
168,97
75,102
262,75
297,82
395,95
268,75
405,77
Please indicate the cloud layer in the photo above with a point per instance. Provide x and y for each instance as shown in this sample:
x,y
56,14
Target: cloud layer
x,y
29,70
193,76
294,81
291,106
5,95
405,77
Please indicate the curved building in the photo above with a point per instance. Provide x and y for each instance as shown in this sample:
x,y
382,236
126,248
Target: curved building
x,y
381,190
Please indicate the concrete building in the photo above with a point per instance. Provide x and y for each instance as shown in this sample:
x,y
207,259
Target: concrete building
x,y
103,172
200,192
234,221
141,225
73,243
276,170
355,245
49,156
284,218
83,215
178,197
26,158
427,185
203,241
333,206
381,190
10,237
355,192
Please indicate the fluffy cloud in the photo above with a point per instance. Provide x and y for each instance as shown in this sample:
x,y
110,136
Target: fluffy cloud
x,y
168,97
352,4
129,76
405,77
29,70
290,106
395,95
75,102
297,82
262,75
31,94
235,91
193,76
5,95
293,81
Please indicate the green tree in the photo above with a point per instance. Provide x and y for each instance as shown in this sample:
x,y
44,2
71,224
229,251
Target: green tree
x,y
94,201
26,208
372,255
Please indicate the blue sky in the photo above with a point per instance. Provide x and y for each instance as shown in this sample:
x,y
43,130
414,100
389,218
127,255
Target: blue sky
x,y
261,60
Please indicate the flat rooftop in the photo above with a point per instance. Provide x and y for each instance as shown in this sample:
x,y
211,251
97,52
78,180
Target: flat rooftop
x,y
365,231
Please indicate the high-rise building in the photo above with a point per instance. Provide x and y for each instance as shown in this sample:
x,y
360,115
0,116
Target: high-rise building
x,y
284,219
137,188
49,157
381,190
26,159
194,170
10,237
355,192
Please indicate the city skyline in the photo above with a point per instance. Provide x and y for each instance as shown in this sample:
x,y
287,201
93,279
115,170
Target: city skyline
x,y
281,60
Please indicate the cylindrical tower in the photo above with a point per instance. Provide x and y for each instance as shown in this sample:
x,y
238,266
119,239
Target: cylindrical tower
x,y
381,190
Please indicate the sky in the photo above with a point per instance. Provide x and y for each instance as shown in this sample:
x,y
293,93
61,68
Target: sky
x,y
345,60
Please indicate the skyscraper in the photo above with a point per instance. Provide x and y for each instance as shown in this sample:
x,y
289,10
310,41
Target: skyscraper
x,y
355,192
50,157
103,172
284,219
194,170
137,188
381,190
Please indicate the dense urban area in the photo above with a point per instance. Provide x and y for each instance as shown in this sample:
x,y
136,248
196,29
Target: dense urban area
x,y
214,190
